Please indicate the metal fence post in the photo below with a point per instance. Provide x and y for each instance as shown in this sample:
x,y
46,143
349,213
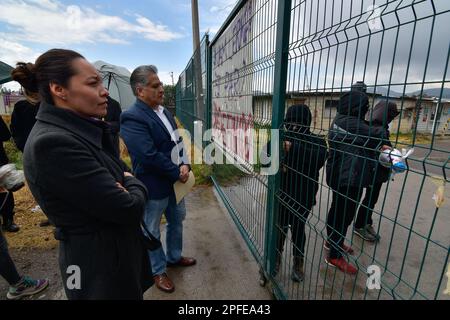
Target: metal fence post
x,y
278,102
208,107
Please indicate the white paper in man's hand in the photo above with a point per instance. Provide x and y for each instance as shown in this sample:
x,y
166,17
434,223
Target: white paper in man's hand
x,y
182,189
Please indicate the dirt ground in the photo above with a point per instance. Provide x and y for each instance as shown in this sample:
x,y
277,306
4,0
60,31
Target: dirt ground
x,y
34,248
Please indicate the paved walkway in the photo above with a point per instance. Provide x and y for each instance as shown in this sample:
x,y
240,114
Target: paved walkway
x,y
225,267
435,160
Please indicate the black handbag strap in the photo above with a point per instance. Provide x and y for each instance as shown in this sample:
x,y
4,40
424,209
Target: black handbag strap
x,y
149,234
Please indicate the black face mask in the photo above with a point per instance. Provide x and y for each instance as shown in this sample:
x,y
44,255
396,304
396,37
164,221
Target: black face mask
x,y
295,128
298,119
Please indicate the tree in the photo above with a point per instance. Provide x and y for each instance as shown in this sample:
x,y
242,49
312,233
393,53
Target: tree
x,y
169,95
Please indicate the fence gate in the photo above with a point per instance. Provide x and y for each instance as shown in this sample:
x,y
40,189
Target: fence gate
x,y
338,58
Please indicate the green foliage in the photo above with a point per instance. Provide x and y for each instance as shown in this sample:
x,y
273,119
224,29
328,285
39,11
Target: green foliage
x,y
169,95
202,173
127,161
14,155
227,173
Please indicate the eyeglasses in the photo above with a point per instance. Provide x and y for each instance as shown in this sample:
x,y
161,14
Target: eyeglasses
x,y
154,86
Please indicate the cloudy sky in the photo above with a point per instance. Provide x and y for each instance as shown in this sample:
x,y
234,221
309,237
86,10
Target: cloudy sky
x,y
125,33
132,33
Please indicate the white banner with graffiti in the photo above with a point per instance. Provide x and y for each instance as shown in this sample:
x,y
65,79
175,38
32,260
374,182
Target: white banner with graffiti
x,y
232,114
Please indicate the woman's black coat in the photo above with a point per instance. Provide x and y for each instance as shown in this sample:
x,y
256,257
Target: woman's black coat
x,y
72,173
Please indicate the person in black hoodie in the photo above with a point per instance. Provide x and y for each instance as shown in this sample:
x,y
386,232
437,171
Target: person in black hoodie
x,y
305,155
6,198
352,157
383,113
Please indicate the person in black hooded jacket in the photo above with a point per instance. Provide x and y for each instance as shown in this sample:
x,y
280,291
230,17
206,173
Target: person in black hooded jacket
x,y
305,155
352,158
383,113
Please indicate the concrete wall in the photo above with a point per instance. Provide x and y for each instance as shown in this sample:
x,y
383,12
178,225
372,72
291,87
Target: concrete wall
x,y
428,118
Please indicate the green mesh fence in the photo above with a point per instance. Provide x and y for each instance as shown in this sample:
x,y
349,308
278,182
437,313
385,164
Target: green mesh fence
x,y
342,81
191,89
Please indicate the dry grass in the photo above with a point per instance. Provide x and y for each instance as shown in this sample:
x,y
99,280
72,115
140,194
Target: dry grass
x,y
124,155
7,118
30,234
407,138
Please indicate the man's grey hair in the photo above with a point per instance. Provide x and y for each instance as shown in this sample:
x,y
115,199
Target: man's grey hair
x,y
139,77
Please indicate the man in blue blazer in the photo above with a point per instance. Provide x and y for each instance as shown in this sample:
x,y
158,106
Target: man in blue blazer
x,y
149,132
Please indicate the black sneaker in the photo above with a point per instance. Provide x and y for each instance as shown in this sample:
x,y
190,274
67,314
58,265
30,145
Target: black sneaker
x,y
277,264
297,270
10,226
372,231
367,233
44,223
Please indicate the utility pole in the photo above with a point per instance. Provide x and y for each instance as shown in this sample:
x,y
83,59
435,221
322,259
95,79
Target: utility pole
x,y
195,25
197,63
171,75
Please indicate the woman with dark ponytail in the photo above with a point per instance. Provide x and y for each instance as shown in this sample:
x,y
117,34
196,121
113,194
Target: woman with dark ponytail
x,y
80,184
24,114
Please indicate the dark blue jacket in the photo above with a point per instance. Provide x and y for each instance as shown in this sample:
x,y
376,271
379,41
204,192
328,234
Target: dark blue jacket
x,y
150,147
